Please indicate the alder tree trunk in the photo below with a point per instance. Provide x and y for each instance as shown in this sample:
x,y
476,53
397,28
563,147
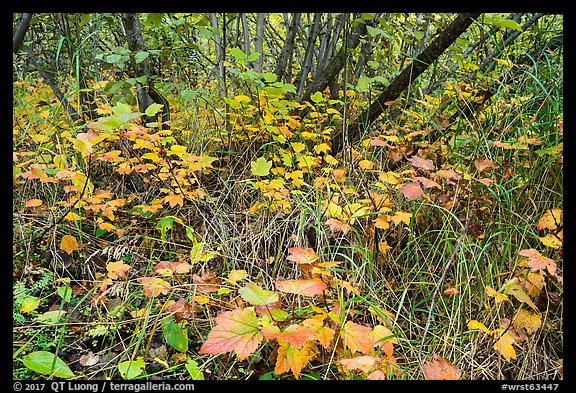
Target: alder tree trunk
x,y
354,130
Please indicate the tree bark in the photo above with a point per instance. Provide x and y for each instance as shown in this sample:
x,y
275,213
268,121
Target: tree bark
x,y
259,41
402,81
21,31
307,63
287,50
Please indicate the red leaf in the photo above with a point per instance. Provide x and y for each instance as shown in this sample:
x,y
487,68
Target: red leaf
x,y
537,261
411,191
301,287
235,330
484,165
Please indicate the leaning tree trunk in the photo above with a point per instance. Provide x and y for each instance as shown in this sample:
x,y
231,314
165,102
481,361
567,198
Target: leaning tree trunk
x,y
287,50
402,81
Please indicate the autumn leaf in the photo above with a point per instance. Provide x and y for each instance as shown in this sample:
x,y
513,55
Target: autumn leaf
x,y
474,324
235,330
427,183
302,255
537,261
388,177
255,295
68,244
498,297
553,240
504,345
527,322
484,165
322,333
401,216
511,287
366,164
173,267
423,163
383,337
441,369
295,334
33,203
207,282
411,191
382,221
293,359
117,270
154,286
311,287
260,167
550,220
338,226
357,337
364,363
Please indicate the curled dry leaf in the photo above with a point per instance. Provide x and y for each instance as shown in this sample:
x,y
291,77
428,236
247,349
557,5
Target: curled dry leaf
x,y
207,282
411,191
422,163
484,165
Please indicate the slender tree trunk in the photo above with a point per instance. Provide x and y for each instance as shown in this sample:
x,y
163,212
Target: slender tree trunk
x,y
307,64
246,32
287,50
402,81
259,41
21,31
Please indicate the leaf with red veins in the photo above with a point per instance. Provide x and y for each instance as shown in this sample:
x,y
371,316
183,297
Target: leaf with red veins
x,y
311,287
357,337
302,255
235,330
295,334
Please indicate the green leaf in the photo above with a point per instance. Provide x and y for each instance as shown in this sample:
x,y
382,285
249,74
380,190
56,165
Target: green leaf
x,y
195,372
254,55
175,334
29,304
122,109
508,23
155,18
65,292
317,97
238,54
260,167
131,369
153,109
257,296
44,362
187,95
164,224
269,77
113,58
141,56
51,317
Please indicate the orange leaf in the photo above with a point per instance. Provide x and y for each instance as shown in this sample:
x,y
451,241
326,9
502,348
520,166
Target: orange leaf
x,y
294,359
504,345
338,226
401,216
411,191
311,287
235,330
427,183
33,203
382,221
550,220
382,337
450,290
154,286
322,333
68,244
117,269
441,369
296,335
207,282
364,363
301,255
484,165
537,261
175,267
366,164
422,163
357,337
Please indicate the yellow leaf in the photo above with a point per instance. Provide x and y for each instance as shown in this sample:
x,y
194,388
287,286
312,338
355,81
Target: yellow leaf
x,y
298,147
551,240
504,345
117,270
527,321
474,324
71,216
68,244
388,177
322,148
382,221
366,164
401,216
498,297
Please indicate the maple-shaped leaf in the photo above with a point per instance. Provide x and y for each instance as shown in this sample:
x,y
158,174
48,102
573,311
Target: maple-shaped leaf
x,y
154,286
411,191
68,244
260,167
235,330
257,296
295,334
533,283
422,163
364,363
117,270
537,261
401,216
382,221
174,199
302,255
382,337
311,287
338,226
504,345
441,369
322,333
293,359
357,337
550,220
